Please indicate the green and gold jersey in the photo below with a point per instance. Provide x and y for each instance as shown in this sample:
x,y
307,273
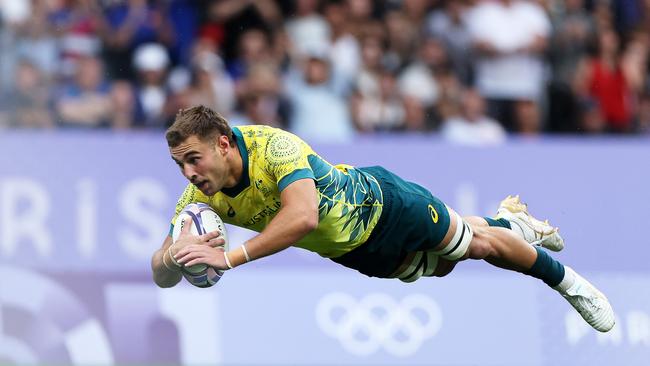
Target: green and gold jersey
x,y
350,200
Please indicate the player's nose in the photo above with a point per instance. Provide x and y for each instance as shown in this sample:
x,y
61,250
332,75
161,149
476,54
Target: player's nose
x,y
189,173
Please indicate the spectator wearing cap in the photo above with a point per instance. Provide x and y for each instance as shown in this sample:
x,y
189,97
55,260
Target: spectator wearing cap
x,y
151,63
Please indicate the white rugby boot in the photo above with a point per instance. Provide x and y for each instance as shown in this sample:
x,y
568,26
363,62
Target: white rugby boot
x,y
534,231
592,305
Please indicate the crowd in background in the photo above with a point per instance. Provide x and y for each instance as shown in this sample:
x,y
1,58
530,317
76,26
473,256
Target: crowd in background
x,y
328,70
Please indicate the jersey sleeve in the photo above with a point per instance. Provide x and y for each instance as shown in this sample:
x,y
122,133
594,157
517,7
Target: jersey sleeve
x,y
286,159
191,194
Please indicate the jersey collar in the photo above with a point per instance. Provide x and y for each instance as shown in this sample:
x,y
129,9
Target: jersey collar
x,y
244,182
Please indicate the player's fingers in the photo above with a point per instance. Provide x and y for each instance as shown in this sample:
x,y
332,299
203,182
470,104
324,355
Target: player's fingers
x,y
211,235
185,250
200,260
216,242
188,257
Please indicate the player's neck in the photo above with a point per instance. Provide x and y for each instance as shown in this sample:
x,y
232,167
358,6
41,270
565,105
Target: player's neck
x,y
236,164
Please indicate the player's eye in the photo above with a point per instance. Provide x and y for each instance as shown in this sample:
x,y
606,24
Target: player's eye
x,y
193,160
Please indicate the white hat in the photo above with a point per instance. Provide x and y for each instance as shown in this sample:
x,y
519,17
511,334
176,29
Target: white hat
x,y
150,57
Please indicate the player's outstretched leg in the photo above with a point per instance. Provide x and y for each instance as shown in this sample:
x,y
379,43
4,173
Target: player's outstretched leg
x,y
534,231
504,248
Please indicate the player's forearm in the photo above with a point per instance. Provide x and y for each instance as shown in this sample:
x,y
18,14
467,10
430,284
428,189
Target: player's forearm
x,y
164,275
287,227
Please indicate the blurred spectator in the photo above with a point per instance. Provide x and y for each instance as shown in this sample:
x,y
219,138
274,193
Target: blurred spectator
x,y
403,38
381,109
26,106
601,78
230,19
573,29
449,25
419,86
13,16
210,84
471,126
367,81
360,14
345,52
85,102
262,100
307,27
77,24
319,114
510,37
151,63
451,90
129,24
254,46
185,19
37,43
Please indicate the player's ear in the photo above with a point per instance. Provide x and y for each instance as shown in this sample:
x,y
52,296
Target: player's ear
x,y
223,143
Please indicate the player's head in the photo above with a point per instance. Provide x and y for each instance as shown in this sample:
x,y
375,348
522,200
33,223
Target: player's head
x,y
199,121
201,143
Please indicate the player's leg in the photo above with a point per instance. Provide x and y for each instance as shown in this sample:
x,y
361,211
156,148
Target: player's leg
x,y
513,214
504,248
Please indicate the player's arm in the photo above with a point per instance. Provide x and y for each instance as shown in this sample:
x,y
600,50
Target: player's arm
x,y
298,216
166,273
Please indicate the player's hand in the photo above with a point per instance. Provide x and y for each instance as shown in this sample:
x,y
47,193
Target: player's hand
x,y
202,254
186,238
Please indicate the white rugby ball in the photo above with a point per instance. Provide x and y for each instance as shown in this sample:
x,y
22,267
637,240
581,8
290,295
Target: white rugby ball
x,y
204,220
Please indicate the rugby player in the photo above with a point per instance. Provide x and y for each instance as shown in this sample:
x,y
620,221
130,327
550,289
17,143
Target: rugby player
x,y
365,218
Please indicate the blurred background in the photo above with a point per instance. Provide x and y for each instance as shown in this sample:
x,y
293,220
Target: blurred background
x,y
473,99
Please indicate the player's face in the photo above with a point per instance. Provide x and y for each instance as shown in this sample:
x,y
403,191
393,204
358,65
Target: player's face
x,y
203,163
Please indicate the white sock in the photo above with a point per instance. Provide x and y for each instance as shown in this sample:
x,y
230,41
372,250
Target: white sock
x,y
567,281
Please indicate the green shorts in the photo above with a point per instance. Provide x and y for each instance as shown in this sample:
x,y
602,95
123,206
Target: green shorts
x,y
412,220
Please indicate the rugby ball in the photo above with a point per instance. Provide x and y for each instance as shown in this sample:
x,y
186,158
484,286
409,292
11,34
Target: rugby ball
x,y
204,220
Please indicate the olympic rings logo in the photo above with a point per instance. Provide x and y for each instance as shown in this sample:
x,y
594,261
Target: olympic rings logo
x,y
378,321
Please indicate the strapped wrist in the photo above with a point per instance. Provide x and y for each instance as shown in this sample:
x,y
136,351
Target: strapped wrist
x,y
175,266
